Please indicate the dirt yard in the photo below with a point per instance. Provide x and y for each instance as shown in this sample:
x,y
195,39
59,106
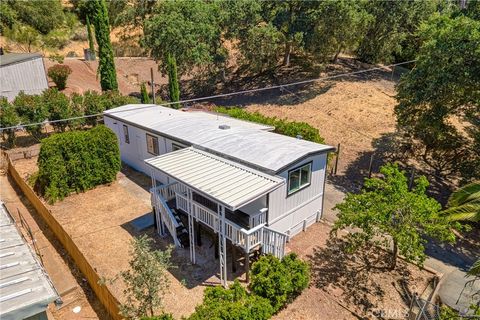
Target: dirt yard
x,y
346,286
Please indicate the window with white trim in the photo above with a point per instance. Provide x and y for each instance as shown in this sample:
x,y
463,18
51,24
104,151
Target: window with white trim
x,y
125,134
152,144
299,178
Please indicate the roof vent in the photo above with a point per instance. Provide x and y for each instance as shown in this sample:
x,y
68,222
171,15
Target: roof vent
x,y
299,136
223,127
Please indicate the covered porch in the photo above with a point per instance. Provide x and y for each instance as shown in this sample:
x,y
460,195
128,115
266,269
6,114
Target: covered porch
x,y
222,196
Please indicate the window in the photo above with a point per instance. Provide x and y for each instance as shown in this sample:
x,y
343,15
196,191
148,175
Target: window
x,y
152,145
125,134
176,147
299,178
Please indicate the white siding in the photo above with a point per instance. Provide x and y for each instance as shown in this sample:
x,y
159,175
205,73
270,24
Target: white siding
x,y
135,152
287,213
28,76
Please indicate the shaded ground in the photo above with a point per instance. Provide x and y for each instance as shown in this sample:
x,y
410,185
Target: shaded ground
x,y
352,281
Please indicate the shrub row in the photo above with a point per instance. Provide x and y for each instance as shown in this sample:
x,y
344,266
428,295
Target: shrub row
x,y
274,283
76,161
54,105
282,126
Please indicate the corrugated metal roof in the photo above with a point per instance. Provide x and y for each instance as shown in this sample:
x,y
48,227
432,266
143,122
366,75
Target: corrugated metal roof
x,y
11,58
245,142
225,181
25,289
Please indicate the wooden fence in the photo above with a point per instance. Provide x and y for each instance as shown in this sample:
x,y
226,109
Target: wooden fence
x,y
107,299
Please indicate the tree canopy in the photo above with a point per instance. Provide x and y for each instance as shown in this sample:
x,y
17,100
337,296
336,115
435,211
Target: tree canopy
x,y
439,101
387,213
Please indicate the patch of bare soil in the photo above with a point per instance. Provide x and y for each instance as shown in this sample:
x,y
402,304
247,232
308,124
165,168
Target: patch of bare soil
x,y
351,112
355,282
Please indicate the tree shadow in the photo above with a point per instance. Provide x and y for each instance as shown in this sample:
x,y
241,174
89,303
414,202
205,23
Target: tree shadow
x,y
353,277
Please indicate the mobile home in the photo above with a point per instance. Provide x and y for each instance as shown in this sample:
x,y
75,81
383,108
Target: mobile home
x,y
254,188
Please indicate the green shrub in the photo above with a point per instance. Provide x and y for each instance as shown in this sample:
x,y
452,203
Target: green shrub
x,y
282,126
8,118
234,303
277,280
59,74
58,106
77,161
31,109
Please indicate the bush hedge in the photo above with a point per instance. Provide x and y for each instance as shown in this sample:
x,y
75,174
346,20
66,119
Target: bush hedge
x,y
274,283
59,74
282,126
234,303
279,281
76,161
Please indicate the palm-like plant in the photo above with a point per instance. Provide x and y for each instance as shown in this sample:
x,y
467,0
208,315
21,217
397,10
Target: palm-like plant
x,y
464,204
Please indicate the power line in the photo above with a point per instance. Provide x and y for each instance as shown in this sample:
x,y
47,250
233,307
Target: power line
x,y
222,95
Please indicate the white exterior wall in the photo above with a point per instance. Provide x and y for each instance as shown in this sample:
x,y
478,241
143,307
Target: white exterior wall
x,y
291,214
28,76
135,152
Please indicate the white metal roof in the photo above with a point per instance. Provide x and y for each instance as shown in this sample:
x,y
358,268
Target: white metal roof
x,y
25,289
247,142
225,181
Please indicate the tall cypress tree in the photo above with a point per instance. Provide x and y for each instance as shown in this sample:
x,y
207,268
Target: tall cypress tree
x,y
173,87
144,98
90,38
106,64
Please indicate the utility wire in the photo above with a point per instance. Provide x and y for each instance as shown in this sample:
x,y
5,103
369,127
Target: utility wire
x,y
222,95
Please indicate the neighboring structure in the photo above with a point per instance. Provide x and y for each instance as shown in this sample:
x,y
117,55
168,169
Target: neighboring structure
x,y
252,187
25,289
22,72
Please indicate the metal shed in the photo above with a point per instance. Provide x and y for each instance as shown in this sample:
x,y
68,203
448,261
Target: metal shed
x,y
22,72
25,288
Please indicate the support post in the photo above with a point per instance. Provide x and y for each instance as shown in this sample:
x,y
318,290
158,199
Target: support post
x,y
234,258
199,234
153,85
336,159
370,166
191,227
222,247
247,266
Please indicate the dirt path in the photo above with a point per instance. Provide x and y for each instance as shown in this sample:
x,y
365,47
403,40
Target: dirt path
x,y
66,278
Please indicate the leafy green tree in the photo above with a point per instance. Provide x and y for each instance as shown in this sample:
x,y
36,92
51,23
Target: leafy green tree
x,y
91,43
106,64
26,37
393,22
232,303
190,31
294,19
8,17
58,106
144,98
388,214
464,204
31,109
260,48
444,86
146,280
340,26
173,86
43,16
8,118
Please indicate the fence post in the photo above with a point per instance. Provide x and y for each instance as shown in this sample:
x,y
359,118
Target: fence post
x,y
153,85
412,177
370,166
336,159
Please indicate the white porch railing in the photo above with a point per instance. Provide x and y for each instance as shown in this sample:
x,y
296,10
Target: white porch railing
x,y
258,218
247,239
274,242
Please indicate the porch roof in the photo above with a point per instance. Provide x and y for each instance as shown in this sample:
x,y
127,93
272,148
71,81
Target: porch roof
x,y
225,181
